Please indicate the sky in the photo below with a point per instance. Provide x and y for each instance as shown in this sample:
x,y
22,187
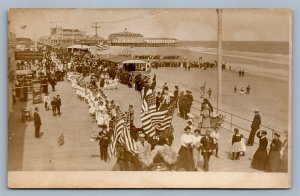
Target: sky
x,y
182,24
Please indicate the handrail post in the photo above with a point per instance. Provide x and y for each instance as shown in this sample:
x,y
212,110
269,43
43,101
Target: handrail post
x,y
231,122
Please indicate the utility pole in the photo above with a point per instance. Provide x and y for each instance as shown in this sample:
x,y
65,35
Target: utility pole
x,y
96,27
219,61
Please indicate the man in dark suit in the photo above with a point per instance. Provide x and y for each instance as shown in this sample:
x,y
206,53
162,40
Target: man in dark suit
x,y
207,147
255,125
58,104
37,122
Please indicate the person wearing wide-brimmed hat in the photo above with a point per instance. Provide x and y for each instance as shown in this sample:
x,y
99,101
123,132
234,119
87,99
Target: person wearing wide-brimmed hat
x,y
274,157
255,125
185,158
260,157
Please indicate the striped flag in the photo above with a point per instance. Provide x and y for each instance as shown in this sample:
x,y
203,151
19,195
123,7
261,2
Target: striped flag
x,y
125,137
102,46
122,135
202,89
166,122
119,126
150,117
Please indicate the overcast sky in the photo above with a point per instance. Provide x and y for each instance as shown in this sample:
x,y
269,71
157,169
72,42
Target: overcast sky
x,y
182,24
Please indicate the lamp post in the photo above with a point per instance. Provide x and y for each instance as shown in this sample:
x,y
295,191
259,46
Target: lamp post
x,y
219,59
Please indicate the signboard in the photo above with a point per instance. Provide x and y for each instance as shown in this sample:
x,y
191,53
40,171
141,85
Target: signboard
x,y
37,96
28,55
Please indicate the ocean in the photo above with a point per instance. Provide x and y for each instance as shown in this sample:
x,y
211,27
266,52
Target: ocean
x,y
268,47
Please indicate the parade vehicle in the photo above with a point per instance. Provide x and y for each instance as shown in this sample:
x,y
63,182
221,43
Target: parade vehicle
x,y
136,66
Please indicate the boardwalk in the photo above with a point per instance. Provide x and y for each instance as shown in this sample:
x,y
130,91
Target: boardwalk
x,y
79,154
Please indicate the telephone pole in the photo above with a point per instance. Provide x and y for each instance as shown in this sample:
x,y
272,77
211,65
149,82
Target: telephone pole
x,y
96,27
219,61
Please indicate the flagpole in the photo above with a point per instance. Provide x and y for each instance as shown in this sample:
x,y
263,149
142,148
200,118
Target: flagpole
x,y
219,59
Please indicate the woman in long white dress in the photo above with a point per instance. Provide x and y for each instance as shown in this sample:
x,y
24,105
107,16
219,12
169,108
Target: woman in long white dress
x,y
99,112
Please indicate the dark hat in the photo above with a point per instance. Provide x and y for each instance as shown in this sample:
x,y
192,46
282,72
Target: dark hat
x,y
277,134
187,128
197,131
264,132
236,130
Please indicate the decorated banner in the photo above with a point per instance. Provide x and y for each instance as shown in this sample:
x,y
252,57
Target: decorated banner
x,y
37,92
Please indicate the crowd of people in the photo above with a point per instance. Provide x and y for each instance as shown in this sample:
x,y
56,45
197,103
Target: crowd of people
x,y
90,78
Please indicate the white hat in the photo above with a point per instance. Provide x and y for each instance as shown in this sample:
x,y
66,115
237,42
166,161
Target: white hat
x,y
256,110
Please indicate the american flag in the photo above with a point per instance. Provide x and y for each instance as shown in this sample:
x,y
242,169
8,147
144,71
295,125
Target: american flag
x,y
102,46
202,89
166,122
122,135
150,117
119,126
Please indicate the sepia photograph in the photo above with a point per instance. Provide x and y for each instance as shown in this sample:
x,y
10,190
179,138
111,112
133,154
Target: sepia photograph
x,y
135,98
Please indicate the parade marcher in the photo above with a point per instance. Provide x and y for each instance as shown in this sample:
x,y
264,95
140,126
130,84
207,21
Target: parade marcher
x,y
207,146
53,82
101,83
274,157
205,113
37,122
141,143
58,104
260,157
234,89
255,125
190,100
209,93
181,103
165,88
190,124
131,113
284,153
158,100
53,105
196,147
216,137
185,159
236,144
47,101
176,92
103,143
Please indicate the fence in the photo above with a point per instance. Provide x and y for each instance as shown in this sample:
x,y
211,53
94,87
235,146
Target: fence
x,y
232,121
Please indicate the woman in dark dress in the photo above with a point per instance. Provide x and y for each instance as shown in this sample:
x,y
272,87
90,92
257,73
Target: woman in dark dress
x,y
274,157
284,160
185,159
261,154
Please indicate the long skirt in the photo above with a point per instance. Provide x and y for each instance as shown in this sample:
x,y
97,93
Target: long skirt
x,y
259,159
273,161
185,159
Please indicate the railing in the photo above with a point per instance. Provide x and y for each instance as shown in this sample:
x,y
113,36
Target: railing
x,y
232,121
